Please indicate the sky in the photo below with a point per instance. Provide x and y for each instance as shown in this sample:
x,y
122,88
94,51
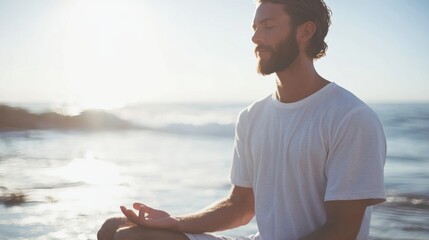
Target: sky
x,y
105,53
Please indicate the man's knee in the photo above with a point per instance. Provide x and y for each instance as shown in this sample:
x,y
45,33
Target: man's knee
x,y
139,233
122,234
132,233
109,228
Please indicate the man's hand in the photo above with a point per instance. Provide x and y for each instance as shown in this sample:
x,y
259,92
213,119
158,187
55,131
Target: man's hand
x,y
150,217
231,212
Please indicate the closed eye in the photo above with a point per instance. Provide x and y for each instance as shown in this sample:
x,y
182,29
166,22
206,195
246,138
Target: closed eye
x,y
265,27
266,23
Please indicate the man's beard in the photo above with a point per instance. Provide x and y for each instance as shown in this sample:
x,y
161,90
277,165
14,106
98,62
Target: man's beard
x,y
281,57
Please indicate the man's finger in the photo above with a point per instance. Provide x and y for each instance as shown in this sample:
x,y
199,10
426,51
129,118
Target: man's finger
x,y
131,216
137,206
125,212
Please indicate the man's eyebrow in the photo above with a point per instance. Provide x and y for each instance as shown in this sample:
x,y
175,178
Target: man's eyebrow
x,y
262,21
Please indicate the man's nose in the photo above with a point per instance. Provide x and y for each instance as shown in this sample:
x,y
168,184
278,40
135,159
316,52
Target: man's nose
x,y
257,37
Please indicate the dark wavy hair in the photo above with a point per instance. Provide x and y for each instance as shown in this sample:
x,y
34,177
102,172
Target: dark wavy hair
x,y
301,11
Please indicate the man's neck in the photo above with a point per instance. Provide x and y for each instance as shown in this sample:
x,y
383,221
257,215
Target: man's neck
x,y
299,81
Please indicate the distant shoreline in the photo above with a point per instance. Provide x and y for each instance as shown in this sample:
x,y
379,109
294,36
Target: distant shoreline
x,y
15,118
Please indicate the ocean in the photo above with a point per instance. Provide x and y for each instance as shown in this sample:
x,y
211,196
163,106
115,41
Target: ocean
x,y
179,161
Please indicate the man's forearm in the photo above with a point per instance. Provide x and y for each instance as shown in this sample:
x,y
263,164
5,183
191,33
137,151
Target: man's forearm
x,y
229,213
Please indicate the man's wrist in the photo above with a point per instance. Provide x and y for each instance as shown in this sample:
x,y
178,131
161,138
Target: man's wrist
x,y
179,227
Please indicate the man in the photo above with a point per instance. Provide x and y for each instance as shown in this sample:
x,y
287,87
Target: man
x,y
308,159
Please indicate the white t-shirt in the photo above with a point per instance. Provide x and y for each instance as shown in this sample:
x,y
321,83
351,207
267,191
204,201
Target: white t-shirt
x,y
328,146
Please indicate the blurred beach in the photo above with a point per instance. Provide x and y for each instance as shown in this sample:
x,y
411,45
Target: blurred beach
x,y
175,157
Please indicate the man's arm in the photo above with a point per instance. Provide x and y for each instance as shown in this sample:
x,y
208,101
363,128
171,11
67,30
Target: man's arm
x,y
234,211
343,221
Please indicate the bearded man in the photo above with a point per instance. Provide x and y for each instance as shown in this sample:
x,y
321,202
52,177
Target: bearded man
x,y
308,159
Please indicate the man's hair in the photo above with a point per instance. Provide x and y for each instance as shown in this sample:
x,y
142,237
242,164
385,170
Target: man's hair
x,y
301,11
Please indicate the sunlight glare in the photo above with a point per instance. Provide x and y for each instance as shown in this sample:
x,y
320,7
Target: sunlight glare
x,y
111,52
90,170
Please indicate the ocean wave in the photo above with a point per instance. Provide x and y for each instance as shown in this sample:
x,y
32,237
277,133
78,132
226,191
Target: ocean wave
x,y
406,158
212,129
406,214
55,186
413,201
405,121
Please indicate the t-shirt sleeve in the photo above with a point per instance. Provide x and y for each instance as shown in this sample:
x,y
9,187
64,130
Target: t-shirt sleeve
x,y
240,175
356,157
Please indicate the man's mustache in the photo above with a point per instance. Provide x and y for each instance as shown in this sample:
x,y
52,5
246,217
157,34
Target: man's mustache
x,y
262,48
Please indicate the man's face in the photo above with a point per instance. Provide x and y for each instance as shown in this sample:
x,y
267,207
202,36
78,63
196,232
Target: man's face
x,y
275,39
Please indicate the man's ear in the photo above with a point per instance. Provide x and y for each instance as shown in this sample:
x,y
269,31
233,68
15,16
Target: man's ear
x,y
305,32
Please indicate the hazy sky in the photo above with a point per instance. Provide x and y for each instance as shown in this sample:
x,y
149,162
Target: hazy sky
x,y
104,53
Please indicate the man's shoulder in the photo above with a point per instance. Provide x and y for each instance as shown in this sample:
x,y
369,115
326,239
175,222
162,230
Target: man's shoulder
x,y
342,96
257,106
341,105
343,101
